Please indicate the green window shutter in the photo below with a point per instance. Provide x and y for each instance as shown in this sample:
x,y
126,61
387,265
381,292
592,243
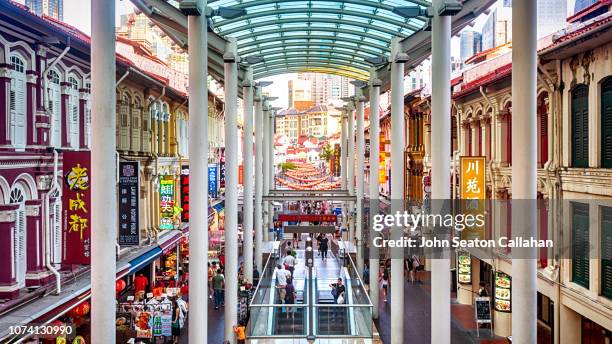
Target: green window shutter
x,y
606,252
606,123
580,126
580,244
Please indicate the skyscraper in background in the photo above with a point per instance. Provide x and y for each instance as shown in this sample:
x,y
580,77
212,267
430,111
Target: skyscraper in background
x,y
471,43
50,8
326,87
497,30
582,4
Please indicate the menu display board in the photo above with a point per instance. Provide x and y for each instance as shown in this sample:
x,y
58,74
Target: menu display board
x,y
503,292
482,309
464,267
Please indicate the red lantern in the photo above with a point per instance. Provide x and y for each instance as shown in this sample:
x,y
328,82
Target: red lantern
x,y
119,285
80,310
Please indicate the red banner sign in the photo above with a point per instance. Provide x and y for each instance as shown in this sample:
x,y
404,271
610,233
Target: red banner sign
x,y
76,202
307,217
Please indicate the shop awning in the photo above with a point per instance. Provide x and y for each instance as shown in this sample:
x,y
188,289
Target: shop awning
x,y
170,240
144,259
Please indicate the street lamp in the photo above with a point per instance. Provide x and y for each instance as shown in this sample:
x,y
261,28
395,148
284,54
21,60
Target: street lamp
x,y
252,59
358,83
377,60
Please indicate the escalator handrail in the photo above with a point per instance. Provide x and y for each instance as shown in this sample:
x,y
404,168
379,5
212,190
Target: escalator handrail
x,y
354,267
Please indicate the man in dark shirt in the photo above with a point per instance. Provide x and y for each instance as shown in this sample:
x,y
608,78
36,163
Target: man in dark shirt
x,y
338,289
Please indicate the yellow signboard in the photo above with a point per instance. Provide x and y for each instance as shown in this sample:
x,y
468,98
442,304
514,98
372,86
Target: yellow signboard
x,y
473,193
473,171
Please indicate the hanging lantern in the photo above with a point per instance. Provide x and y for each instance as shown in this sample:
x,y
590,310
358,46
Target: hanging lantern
x,y
80,310
119,285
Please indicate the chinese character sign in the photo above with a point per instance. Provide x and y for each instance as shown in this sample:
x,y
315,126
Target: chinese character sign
x,y
76,199
473,177
473,192
166,202
212,181
185,193
128,204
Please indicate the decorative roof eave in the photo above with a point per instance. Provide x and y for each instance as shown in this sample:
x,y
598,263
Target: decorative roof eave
x,y
491,77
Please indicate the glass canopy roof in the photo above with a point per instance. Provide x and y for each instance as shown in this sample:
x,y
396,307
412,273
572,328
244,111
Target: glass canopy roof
x,y
316,36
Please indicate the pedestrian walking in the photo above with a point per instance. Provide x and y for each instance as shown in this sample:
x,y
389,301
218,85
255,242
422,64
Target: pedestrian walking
x,y
290,296
289,262
218,286
212,268
240,331
416,267
282,276
176,326
384,282
324,247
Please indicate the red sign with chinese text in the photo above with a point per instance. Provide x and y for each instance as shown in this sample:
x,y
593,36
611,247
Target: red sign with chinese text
x,y
76,203
307,217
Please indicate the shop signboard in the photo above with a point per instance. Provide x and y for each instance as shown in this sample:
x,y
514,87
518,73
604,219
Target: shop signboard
x,y
128,204
464,263
307,217
222,174
76,198
473,192
503,292
212,180
166,202
185,193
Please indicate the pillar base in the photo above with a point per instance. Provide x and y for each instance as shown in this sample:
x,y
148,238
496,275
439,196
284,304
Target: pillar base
x,y
10,292
39,279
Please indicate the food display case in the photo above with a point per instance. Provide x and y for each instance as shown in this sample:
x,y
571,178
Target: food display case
x,y
503,292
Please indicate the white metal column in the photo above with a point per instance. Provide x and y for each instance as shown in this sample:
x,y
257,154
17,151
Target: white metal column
x,y
198,175
266,167
524,169
440,168
247,151
374,184
350,172
103,148
397,185
259,132
359,113
343,148
271,181
231,189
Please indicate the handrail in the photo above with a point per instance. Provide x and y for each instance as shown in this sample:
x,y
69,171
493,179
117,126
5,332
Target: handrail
x,y
261,278
359,278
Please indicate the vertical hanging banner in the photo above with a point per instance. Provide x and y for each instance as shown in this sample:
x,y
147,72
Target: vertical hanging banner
x,y
166,202
212,181
128,204
473,193
222,174
76,201
185,193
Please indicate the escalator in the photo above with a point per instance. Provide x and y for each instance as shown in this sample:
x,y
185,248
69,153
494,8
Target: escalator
x,y
293,322
331,320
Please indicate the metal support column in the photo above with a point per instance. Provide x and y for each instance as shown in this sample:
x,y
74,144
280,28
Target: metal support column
x,y
351,169
343,148
230,58
397,185
198,173
247,151
271,181
374,184
266,167
259,228
103,148
359,176
524,170
440,168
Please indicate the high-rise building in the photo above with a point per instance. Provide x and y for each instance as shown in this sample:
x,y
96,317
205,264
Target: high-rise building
x,y
299,94
471,43
579,5
138,28
50,8
497,30
326,87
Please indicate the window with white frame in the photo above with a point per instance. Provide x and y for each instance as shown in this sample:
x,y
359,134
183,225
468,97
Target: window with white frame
x,y
17,196
73,111
54,98
18,102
